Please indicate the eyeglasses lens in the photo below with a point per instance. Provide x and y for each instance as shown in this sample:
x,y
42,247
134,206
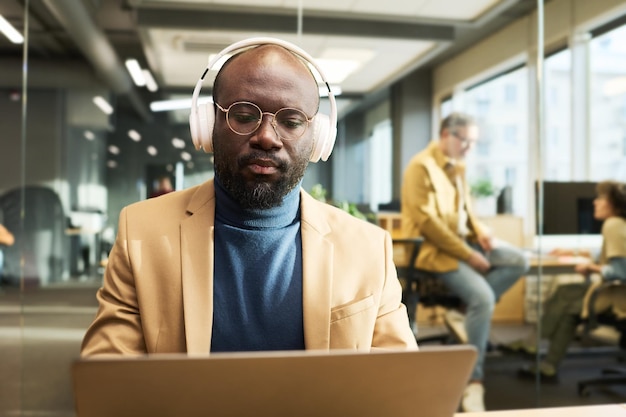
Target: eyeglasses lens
x,y
245,118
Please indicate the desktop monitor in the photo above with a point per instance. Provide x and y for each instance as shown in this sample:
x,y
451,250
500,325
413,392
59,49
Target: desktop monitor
x,y
568,208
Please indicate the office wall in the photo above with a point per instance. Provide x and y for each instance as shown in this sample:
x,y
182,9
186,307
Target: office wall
x,y
411,114
510,44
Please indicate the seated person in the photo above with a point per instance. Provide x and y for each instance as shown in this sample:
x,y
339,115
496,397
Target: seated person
x,y
562,311
457,248
6,239
163,186
248,260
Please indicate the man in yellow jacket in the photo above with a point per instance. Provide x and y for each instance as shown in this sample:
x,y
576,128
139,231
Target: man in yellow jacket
x,y
457,248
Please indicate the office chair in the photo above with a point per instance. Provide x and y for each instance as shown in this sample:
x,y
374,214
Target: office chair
x,y
422,287
605,315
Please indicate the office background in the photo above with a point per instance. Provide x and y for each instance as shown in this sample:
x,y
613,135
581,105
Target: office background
x,y
411,64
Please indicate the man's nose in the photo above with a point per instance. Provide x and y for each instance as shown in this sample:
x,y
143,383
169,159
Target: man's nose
x,y
266,135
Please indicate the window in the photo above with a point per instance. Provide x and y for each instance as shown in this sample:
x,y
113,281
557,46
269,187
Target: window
x,y
500,107
558,150
446,107
608,106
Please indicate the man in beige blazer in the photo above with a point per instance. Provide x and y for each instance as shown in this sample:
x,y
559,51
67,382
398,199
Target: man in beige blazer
x,y
457,248
249,261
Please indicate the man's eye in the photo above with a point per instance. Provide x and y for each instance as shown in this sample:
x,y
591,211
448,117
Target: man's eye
x,y
292,123
244,118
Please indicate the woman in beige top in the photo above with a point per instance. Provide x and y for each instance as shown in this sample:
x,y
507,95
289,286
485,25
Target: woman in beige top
x,y
562,312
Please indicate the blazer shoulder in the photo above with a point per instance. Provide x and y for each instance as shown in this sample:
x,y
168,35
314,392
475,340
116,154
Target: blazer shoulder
x,y
337,220
165,205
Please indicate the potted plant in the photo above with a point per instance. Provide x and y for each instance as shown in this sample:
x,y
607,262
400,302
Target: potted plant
x,y
484,197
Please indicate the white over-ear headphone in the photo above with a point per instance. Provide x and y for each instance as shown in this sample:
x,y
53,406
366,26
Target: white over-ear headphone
x,y
202,116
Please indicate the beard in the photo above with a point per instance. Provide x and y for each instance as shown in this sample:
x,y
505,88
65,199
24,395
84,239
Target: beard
x,y
258,192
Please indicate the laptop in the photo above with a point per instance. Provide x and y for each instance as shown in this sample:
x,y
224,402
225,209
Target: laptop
x,y
424,383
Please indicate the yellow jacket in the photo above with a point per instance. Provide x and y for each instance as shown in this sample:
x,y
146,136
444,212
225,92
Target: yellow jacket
x,y
429,210
157,293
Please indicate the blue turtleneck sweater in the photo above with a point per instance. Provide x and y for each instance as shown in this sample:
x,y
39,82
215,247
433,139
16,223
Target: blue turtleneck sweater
x,y
258,276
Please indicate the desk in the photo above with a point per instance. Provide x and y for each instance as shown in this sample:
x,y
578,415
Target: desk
x,y
552,265
610,410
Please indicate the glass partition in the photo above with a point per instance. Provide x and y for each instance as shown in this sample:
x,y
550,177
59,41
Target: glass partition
x,y
67,168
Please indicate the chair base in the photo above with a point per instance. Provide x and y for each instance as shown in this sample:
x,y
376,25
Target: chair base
x,y
610,376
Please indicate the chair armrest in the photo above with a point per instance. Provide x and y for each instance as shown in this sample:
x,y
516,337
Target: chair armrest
x,y
591,321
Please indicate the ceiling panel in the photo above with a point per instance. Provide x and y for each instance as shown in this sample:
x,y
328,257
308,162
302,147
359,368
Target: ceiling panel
x,y
181,66
438,9
455,9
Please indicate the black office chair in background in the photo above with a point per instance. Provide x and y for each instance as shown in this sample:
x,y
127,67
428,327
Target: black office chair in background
x,y
422,287
601,315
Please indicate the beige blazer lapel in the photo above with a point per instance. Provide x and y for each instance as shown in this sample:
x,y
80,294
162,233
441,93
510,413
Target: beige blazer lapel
x,y
196,234
317,275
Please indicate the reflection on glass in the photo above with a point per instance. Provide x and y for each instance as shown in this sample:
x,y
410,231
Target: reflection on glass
x,y
608,105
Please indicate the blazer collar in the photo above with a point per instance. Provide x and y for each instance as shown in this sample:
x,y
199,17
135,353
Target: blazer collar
x,y
317,274
196,252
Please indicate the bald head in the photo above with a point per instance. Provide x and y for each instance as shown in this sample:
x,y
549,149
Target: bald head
x,y
260,64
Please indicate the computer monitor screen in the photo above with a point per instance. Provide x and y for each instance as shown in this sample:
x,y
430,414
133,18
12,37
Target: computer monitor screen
x,y
568,208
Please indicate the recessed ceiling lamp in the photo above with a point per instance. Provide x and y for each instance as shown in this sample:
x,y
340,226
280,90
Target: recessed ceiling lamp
x,y
134,135
336,90
89,135
134,69
338,63
185,156
178,143
177,104
111,163
151,84
152,150
9,31
114,150
103,105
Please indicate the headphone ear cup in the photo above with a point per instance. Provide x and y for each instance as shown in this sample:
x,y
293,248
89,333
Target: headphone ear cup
x,y
206,121
323,138
193,128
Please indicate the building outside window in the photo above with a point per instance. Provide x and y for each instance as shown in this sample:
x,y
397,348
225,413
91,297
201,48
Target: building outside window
x,y
557,154
500,107
608,106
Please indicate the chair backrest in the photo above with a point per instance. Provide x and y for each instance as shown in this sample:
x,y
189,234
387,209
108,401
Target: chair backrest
x,y
431,291
605,304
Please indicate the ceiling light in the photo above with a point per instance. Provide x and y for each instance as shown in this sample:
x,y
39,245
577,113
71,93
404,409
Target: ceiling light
x,y
134,135
216,67
177,104
89,135
178,143
114,150
151,84
103,105
135,72
190,165
337,70
111,164
152,150
336,89
186,156
10,32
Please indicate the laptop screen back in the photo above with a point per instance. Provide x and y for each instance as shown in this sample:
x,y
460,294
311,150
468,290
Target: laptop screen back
x,y
425,383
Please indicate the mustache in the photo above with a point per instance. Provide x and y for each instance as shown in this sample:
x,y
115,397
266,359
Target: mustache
x,y
247,159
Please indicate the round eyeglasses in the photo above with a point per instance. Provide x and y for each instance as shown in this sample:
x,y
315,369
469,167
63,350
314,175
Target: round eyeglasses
x,y
244,118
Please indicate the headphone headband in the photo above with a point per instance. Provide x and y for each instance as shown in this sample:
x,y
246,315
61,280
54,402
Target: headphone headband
x,y
326,134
